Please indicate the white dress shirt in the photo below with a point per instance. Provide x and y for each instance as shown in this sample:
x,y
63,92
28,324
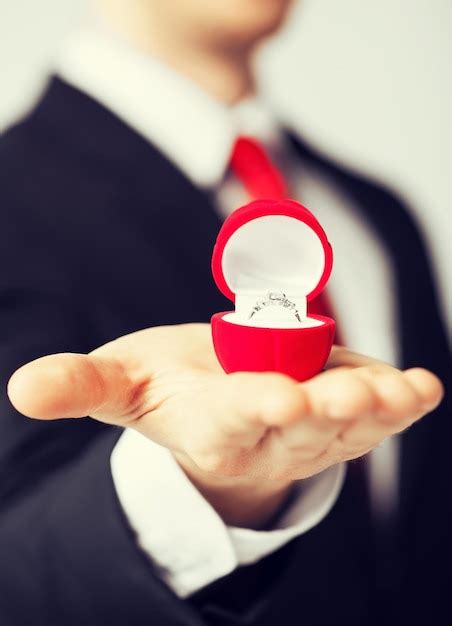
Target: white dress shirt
x,y
174,524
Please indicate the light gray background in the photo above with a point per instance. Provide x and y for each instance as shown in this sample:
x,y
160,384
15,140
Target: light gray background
x,y
368,81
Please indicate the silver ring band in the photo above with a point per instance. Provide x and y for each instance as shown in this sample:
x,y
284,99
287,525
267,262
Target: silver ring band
x,y
275,298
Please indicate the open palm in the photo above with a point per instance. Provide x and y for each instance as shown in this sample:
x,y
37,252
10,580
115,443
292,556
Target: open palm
x,y
166,383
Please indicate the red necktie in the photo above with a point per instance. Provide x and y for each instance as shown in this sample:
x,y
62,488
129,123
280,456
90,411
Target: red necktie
x,y
262,179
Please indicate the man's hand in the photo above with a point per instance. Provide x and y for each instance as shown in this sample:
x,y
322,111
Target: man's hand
x,y
242,438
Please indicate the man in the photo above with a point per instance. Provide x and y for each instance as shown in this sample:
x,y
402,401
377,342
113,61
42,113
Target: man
x,y
112,195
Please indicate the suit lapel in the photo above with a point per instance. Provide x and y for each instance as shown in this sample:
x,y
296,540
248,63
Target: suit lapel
x,y
178,219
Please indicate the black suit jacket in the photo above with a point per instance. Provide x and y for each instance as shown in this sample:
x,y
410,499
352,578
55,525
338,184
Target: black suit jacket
x,y
100,236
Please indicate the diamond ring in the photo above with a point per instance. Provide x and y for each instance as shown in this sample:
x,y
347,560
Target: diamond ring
x,y
275,298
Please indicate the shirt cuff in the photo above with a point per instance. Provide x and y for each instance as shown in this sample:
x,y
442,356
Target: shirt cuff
x,y
186,539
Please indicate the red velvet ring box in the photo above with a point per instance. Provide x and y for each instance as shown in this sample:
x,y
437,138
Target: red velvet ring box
x,y
271,258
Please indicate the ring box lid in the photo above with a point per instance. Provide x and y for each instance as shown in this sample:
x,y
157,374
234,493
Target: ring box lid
x,y
271,245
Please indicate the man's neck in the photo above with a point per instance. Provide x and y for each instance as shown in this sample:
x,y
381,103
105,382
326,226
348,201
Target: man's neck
x,y
226,75
227,78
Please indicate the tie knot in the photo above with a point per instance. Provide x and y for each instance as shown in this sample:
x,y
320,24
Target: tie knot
x,y
254,168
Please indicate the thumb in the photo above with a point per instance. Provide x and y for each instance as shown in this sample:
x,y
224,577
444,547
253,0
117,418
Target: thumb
x,y
71,385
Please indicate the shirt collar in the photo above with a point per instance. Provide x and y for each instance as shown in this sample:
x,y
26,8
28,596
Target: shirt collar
x,y
195,131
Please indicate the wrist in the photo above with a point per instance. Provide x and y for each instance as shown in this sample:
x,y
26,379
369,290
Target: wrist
x,y
240,501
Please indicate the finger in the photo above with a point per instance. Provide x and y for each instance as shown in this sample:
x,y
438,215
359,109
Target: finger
x,y
339,395
71,385
403,398
267,399
427,386
397,400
